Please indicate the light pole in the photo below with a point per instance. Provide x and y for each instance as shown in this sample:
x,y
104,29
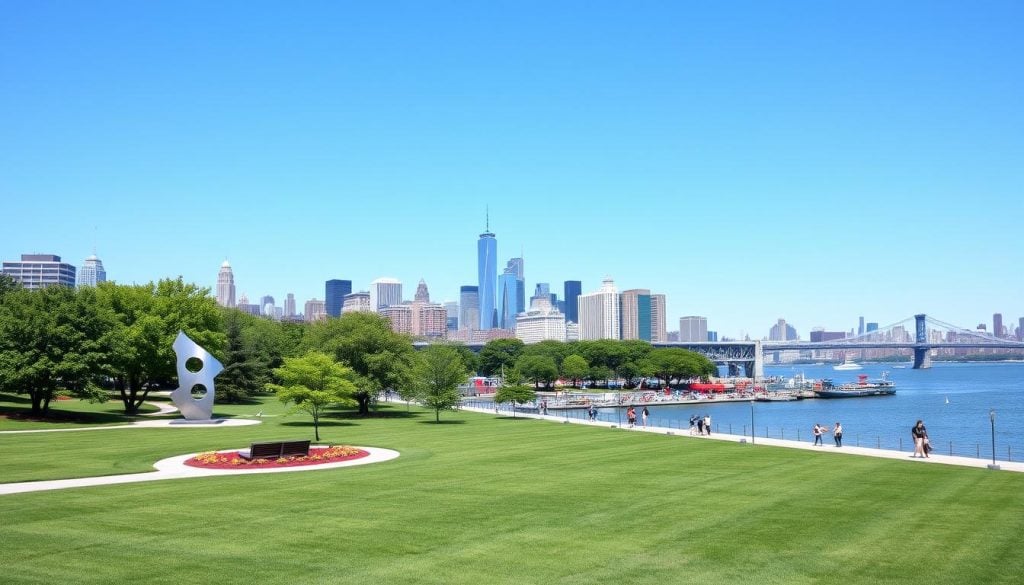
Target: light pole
x,y
752,433
992,419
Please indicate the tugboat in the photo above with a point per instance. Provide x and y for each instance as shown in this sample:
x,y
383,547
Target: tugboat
x,y
862,387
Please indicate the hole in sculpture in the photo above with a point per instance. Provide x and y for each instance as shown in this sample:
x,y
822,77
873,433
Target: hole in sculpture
x,y
193,364
198,392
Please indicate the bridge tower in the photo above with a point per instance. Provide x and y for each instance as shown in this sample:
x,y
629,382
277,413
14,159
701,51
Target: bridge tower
x,y
922,359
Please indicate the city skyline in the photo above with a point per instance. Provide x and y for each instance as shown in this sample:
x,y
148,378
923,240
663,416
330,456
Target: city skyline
x,y
814,165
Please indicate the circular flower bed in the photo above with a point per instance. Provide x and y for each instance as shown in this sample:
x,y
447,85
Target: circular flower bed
x,y
317,456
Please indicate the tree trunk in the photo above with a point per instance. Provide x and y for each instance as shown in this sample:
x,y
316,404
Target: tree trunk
x,y
437,415
316,427
37,400
364,403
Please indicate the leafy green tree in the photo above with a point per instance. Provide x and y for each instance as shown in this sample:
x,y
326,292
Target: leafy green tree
x,y
575,368
312,383
245,372
538,369
438,373
499,353
50,339
469,357
381,358
147,318
516,394
671,363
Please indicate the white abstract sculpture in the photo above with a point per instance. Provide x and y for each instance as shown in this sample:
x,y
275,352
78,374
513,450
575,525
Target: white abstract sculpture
x,y
191,408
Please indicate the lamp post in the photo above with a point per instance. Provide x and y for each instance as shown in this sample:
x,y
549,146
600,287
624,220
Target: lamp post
x,y
992,419
752,433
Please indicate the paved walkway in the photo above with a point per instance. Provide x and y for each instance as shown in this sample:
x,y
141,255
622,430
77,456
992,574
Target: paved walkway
x,y
173,423
935,458
175,468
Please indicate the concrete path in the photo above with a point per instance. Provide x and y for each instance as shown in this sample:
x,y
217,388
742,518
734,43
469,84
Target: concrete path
x,y
935,459
175,468
172,423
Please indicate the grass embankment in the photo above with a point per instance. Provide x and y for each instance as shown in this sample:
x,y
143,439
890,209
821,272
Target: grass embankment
x,y
494,500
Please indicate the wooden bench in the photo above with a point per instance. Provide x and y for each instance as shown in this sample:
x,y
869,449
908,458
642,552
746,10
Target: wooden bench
x,y
275,450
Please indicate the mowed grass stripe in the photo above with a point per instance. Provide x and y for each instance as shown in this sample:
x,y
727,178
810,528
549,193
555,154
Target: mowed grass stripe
x,y
493,500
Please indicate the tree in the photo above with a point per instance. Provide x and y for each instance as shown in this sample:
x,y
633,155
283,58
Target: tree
x,y
671,363
499,353
469,357
538,369
147,319
516,394
575,368
438,373
381,358
50,339
312,383
245,372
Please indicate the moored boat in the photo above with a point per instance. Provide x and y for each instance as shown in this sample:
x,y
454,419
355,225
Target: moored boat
x,y
862,387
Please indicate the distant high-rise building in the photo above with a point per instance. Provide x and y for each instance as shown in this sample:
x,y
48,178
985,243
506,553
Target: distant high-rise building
x,y
469,307
713,336
573,289
452,313
693,329
515,266
599,312
635,314
315,310
542,289
267,306
400,316
659,317
870,327
508,287
334,295
226,286
860,327
487,277
1020,330
781,331
245,307
997,325
357,302
540,323
385,292
36,271
422,293
289,306
92,272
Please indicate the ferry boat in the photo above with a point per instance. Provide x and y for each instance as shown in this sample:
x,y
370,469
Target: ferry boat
x,y
862,387
848,364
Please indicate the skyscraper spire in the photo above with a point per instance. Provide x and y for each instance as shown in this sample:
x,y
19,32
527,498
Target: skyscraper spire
x,y
487,224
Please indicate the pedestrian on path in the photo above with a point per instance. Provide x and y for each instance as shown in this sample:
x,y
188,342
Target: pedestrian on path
x,y
707,424
592,413
645,413
693,424
837,434
920,435
817,432
631,416
700,425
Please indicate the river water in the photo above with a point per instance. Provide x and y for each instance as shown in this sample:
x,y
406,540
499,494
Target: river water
x,y
953,400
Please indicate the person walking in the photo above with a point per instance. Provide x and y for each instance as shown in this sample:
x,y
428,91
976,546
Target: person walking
x,y
817,431
631,416
693,424
920,435
700,425
837,434
645,413
592,413
707,424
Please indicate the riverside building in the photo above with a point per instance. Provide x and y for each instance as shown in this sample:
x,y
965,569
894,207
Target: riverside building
x,y
599,313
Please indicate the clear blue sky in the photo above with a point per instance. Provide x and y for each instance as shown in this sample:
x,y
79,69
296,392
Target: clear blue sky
x,y
815,161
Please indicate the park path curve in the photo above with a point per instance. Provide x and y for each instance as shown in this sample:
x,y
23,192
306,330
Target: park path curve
x,y
175,468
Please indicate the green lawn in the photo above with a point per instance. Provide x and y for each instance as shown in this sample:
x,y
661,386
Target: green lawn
x,y
485,500
16,413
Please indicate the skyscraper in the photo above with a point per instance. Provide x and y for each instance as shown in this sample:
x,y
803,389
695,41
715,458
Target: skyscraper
x,y
469,307
573,289
226,286
92,272
452,313
508,301
693,328
385,292
515,266
782,331
635,314
860,326
487,277
334,295
356,302
997,324
267,306
599,312
315,310
40,270
289,306
659,314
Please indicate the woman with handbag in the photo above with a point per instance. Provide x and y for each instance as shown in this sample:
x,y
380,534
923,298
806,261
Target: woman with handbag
x,y
920,435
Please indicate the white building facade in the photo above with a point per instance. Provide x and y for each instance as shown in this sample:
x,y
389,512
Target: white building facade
x,y
541,322
599,313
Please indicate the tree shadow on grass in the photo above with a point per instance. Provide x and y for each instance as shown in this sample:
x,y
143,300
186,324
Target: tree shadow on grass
x,y
66,416
442,422
323,423
512,418
387,414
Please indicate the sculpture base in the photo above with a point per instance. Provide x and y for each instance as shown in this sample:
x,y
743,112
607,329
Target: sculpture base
x,y
993,466
208,421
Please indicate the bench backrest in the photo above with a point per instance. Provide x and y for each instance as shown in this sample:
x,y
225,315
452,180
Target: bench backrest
x,y
273,450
